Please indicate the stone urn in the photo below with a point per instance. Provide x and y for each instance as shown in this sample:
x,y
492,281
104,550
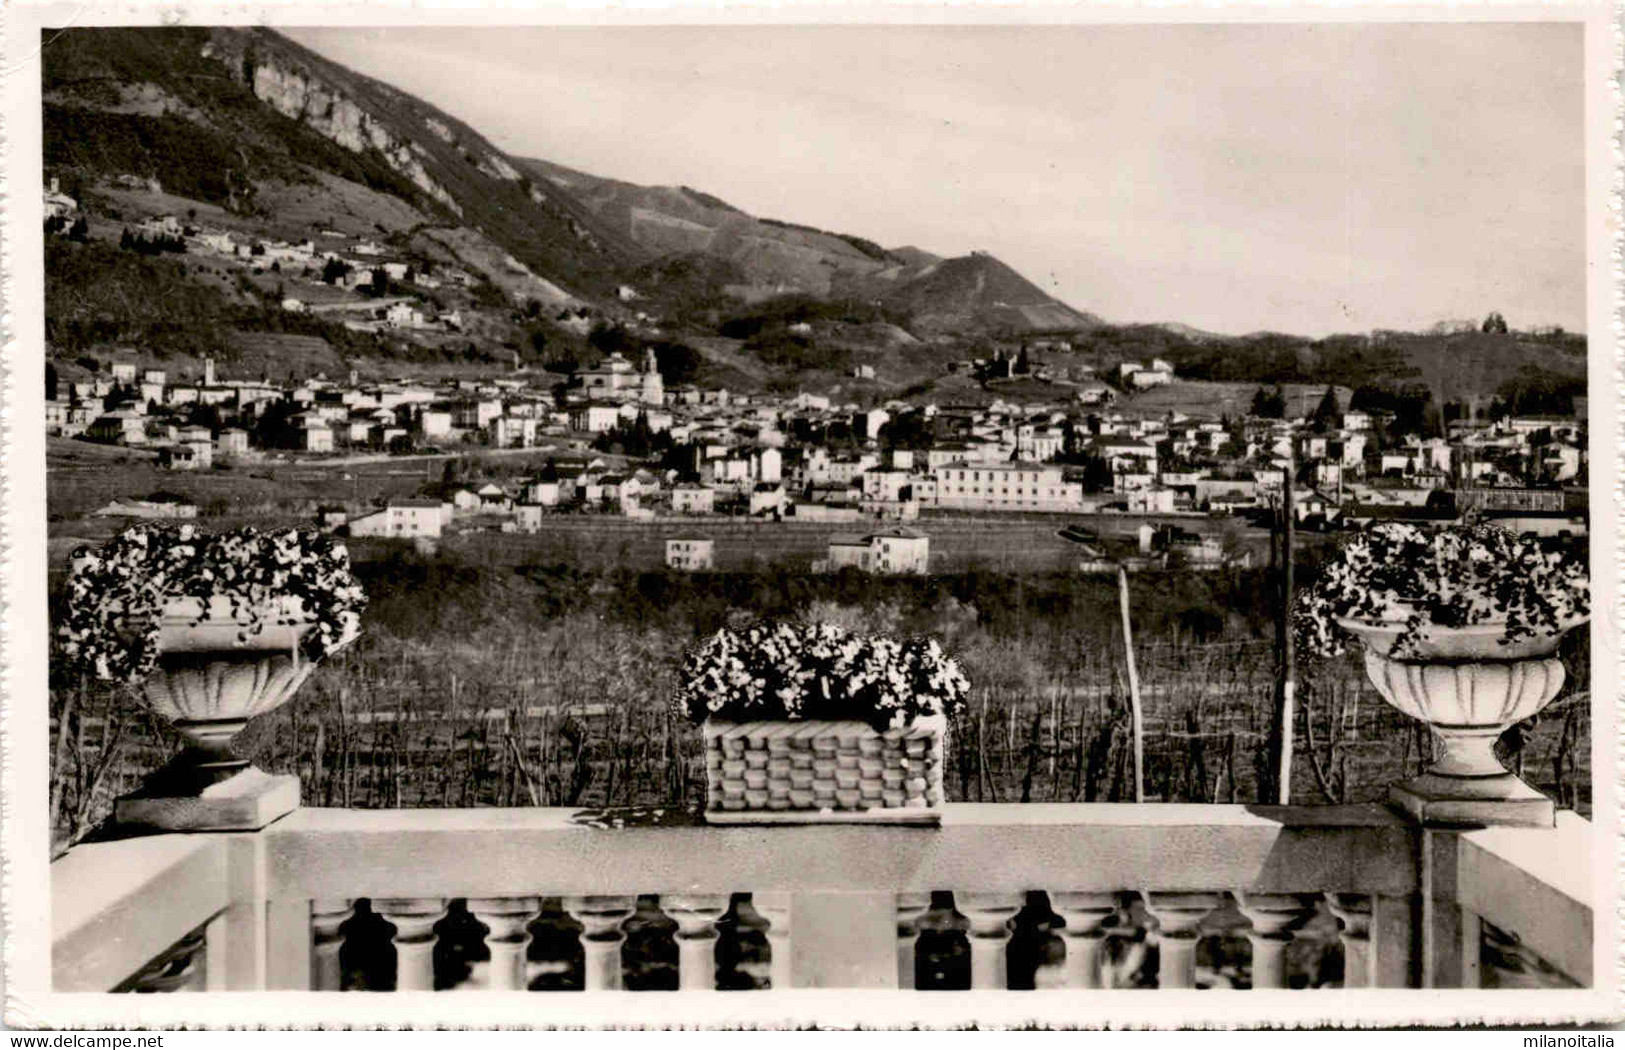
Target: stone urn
x,y
1468,686
217,668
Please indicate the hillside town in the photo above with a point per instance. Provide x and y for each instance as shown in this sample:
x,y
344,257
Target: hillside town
x,y
619,441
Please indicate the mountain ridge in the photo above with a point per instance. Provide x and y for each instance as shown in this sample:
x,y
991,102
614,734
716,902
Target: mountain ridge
x,y
243,118
777,257
250,134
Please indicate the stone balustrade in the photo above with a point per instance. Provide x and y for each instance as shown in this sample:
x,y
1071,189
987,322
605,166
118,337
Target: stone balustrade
x,y
1132,893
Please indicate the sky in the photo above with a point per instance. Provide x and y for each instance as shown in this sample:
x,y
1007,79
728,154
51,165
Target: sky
x,y
1299,178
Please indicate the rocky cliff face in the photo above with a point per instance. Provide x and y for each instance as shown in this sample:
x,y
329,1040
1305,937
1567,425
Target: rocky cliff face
x,y
300,96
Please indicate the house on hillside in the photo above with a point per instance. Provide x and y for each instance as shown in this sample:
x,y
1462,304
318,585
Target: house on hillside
x,y
403,315
1150,499
689,554
401,519
56,418
494,499
1094,392
527,517
188,455
543,492
693,499
122,426
315,436
898,550
513,432
766,498
1172,545
595,418
435,423
232,442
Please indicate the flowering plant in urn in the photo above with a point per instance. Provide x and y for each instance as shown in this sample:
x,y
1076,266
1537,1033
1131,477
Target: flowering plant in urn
x,y
1459,628
811,718
1419,584
118,595
217,628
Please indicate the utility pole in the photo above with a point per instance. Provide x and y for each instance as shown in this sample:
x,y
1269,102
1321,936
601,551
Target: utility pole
x,y
1133,687
1280,749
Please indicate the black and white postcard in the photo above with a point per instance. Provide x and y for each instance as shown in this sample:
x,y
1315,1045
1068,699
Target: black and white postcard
x,y
540,516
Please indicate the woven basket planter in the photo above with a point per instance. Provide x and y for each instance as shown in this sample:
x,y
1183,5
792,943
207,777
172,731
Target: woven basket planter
x,y
814,772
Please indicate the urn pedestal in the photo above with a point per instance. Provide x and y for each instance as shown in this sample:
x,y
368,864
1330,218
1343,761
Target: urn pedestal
x,y
824,772
214,674
1468,687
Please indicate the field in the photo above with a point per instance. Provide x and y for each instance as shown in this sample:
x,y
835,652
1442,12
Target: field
x,y
1010,543
1202,398
85,476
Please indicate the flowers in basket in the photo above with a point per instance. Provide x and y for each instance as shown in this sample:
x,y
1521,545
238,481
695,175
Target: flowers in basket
x,y
1455,576
798,671
117,594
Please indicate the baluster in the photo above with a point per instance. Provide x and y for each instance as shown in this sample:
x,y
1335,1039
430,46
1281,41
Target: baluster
x,y
1178,915
326,941
775,908
696,916
910,908
601,938
1353,911
506,920
989,915
414,938
1272,916
1085,933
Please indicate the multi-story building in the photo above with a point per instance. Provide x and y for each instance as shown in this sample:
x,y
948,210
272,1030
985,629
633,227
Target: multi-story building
x,y
1006,487
689,554
475,414
693,499
896,550
1150,499
315,436
1038,444
401,518
513,432
766,497
435,423
595,418
527,517
120,427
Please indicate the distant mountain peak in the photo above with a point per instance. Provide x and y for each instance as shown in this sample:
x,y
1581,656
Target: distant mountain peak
x,y
770,256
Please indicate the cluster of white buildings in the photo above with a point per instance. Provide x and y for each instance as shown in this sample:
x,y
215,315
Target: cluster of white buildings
x,y
809,458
